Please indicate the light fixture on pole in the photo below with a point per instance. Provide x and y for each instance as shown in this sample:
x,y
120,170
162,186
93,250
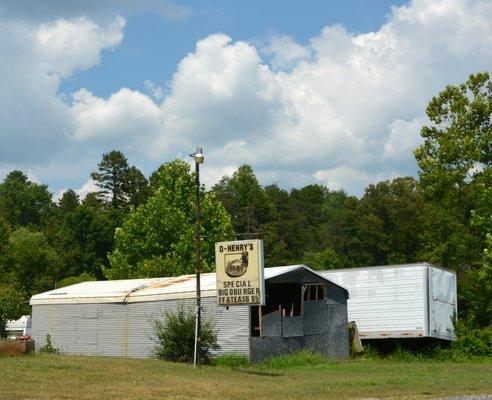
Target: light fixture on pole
x,y
198,156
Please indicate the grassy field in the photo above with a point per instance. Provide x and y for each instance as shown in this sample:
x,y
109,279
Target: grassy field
x,y
63,377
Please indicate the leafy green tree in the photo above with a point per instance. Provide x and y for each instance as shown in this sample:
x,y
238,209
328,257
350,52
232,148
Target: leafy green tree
x,y
456,177
281,232
137,187
447,239
309,214
245,200
455,160
458,143
476,292
396,207
4,234
68,202
340,232
73,280
30,262
121,184
23,202
86,237
325,259
13,304
157,239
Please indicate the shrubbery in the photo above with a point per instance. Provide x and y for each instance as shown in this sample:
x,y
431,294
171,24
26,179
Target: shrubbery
x,y
174,335
471,344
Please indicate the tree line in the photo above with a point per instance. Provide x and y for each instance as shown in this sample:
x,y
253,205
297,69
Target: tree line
x,y
135,226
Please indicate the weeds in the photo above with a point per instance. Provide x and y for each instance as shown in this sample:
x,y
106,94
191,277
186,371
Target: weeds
x,y
299,359
48,348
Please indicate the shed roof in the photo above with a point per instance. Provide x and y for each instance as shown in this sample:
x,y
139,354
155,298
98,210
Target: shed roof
x,y
150,289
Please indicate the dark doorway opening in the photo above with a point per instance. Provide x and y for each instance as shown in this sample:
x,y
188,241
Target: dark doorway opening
x,y
288,298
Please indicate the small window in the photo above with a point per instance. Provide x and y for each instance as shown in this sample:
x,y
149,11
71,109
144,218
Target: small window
x,y
313,291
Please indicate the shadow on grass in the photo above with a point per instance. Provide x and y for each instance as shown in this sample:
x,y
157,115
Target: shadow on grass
x,y
259,373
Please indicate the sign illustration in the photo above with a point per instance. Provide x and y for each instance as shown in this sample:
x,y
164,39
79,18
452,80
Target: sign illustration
x,y
236,266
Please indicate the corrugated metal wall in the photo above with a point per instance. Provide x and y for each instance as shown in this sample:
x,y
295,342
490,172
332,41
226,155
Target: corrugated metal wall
x,y
116,329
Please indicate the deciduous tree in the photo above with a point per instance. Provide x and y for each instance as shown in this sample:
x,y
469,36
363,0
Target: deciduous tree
x,y
23,202
157,239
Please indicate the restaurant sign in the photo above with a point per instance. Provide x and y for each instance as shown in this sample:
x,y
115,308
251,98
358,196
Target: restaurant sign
x,y
239,270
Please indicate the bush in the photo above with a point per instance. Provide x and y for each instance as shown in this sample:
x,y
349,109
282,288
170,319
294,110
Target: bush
x,y
175,336
472,342
48,348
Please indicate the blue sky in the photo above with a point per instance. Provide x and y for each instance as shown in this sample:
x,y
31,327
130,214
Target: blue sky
x,y
154,44
329,92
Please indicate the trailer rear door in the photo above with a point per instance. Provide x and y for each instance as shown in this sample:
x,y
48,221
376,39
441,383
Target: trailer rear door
x,y
442,303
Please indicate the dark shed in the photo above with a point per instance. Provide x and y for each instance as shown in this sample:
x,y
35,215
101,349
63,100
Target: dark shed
x,y
303,310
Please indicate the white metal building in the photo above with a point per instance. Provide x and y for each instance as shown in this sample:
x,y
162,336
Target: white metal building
x,y
113,317
400,301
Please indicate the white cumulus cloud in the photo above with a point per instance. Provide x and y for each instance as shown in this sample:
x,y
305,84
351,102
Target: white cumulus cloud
x,y
66,45
126,116
347,108
35,121
344,109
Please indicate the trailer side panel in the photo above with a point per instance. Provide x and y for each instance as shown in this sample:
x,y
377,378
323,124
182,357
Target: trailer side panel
x,y
386,302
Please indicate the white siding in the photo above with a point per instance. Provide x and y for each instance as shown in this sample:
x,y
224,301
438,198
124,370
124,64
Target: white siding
x,y
114,329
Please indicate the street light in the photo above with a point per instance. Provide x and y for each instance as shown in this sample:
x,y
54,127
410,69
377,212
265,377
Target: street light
x,y
198,156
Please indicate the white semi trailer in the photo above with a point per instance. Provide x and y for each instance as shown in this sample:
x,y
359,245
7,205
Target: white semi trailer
x,y
400,301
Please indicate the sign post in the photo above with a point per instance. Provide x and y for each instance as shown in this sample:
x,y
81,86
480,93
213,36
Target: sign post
x,y
239,272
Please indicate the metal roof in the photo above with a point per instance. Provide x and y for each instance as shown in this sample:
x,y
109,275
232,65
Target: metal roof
x,y
389,266
150,289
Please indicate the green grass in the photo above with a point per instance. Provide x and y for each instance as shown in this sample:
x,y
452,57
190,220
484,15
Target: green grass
x,y
231,361
301,376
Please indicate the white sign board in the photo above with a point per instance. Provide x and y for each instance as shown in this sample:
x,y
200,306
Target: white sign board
x,y
240,273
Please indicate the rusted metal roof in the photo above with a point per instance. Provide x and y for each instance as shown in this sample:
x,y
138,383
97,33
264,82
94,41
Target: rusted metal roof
x,y
137,290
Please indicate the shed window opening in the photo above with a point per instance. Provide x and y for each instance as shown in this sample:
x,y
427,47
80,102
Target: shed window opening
x,y
313,291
